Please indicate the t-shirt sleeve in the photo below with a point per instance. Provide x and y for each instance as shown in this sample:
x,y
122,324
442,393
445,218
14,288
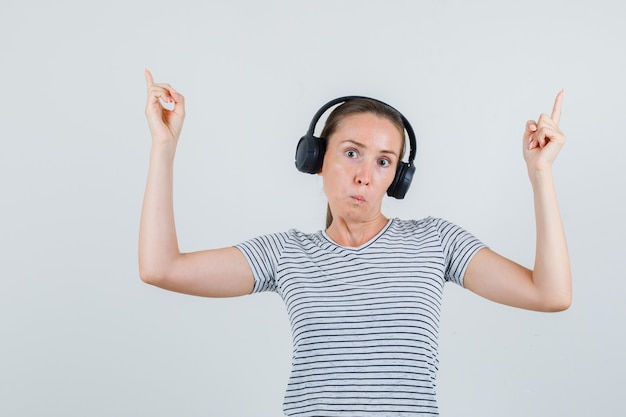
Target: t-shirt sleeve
x,y
459,247
263,254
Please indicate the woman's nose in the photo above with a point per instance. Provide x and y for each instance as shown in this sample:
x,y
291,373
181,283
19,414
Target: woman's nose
x,y
363,176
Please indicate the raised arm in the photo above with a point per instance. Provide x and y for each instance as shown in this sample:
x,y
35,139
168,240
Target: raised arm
x,y
211,273
548,286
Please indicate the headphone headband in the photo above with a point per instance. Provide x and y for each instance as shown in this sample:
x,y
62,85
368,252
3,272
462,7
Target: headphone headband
x,y
405,122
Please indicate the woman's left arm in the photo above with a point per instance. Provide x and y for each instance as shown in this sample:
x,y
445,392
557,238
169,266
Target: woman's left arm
x,y
548,287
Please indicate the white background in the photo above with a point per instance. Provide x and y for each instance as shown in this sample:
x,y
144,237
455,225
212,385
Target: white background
x,y
81,335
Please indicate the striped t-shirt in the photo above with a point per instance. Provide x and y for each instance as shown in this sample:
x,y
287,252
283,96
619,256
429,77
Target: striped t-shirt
x,y
364,320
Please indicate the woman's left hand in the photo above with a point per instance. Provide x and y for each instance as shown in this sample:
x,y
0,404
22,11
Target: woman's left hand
x,y
548,286
543,139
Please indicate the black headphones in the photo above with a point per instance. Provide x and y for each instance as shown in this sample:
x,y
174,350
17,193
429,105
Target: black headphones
x,y
311,149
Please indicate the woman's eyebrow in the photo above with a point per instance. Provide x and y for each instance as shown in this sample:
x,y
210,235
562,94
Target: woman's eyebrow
x,y
360,145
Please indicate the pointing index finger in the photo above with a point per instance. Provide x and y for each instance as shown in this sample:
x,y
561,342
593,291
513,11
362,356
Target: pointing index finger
x,y
149,79
556,109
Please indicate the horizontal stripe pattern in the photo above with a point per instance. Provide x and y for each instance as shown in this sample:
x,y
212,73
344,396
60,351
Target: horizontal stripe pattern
x,y
365,320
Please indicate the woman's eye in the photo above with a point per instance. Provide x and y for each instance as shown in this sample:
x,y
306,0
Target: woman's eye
x,y
351,153
383,162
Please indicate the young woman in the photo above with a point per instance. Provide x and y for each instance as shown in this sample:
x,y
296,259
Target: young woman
x,y
363,295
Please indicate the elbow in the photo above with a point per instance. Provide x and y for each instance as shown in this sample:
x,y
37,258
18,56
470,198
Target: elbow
x,y
151,274
159,271
558,304
558,307
147,276
153,267
555,294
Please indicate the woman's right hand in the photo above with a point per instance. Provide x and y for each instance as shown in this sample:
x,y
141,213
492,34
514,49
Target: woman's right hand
x,y
165,125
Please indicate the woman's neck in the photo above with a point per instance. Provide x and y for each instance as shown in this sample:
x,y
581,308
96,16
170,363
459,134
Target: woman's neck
x,y
354,234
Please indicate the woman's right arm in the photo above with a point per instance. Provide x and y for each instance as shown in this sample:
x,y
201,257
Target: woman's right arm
x,y
210,273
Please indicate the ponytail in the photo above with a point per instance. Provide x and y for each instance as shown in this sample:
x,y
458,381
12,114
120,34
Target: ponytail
x,y
329,216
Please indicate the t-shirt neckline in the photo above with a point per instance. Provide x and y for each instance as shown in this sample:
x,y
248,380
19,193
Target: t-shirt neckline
x,y
356,248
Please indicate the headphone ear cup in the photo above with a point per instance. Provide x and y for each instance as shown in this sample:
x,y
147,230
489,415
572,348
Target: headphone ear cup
x,y
402,181
310,154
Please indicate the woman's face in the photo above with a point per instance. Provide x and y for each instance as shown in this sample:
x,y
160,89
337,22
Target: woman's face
x,y
359,165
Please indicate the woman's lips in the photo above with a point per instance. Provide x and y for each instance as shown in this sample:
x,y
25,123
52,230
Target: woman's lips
x,y
358,199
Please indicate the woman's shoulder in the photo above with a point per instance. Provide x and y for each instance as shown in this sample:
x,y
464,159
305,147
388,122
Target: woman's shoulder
x,y
289,237
426,222
427,226
299,236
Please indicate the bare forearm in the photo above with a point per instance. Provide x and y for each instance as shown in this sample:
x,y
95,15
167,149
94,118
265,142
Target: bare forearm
x,y
158,243
551,273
